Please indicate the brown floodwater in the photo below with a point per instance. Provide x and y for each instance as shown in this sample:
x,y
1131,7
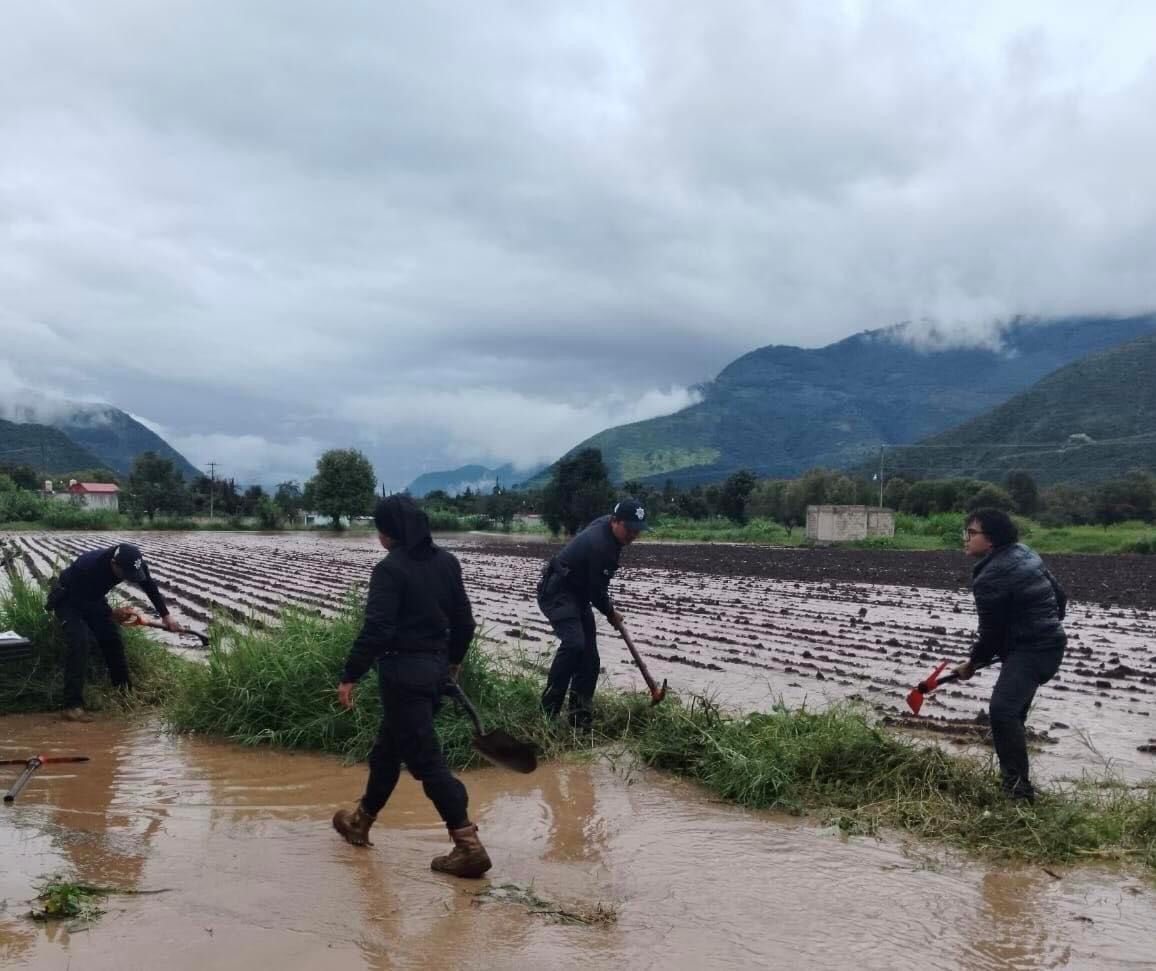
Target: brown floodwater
x,y
255,877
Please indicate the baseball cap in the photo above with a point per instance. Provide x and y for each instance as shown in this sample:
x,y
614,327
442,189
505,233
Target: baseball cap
x,y
631,513
130,561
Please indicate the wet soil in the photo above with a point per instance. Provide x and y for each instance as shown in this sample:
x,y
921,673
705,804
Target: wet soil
x,y
257,878
1122,580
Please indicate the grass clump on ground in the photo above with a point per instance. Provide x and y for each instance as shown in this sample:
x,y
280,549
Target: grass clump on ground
x,y
839,764
36,683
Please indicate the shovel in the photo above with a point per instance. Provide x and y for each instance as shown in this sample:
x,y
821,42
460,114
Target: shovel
x,y
656,693
136,620
499,747
30,766
934,680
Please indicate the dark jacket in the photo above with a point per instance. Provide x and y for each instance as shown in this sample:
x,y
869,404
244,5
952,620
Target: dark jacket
x,y
416,602
1019,602
583,568
90,578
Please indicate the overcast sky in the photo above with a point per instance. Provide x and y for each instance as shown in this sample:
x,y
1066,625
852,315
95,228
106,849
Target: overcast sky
x,y
452,232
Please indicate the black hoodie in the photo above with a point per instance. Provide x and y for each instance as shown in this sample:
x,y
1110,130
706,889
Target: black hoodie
x,y
417,600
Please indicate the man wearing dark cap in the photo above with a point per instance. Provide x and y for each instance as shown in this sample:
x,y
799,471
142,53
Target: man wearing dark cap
x,y
78,600
573,581
418,627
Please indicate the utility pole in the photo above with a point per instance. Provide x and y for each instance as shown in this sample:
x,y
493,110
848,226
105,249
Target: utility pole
x,y
212,485
881,447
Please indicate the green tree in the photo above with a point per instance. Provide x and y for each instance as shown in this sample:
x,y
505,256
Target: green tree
x,y
7,483
736,490
842,491
501,506
895,493
991,496
25,476
289,498
344,484
155,485
693,504
766,501
1024,492
1132,497
251,500
269,514
579,492
1066,505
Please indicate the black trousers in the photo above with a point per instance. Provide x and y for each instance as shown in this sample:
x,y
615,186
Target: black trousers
x,y
1021,674
576,664
86,626
411,688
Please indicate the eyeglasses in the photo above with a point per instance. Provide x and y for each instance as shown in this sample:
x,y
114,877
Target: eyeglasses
x,y
969,533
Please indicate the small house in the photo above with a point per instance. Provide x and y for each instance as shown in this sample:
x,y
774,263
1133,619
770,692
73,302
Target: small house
x,y
841,524
95,495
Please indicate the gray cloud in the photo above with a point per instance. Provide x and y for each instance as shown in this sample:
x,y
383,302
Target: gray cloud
x,y
297,223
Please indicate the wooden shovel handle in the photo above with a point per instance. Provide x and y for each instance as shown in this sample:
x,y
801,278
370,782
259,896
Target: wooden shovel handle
x,y
656,693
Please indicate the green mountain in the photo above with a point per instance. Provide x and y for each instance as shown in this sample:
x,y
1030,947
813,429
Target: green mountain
x,y
112,435
781,410
1091,420
45,448
475,477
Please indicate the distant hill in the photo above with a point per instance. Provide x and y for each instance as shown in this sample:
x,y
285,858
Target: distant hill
x,y
475,477
1107,400
112,435
45,448
781,410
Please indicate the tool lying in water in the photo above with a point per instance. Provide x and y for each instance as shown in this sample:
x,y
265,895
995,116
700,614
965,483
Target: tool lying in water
x,y
497,746
934,680
656,693
136,620
30,767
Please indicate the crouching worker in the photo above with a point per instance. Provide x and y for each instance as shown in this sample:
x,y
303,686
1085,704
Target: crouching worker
x,y
418,627
78,600
573,581
1021,609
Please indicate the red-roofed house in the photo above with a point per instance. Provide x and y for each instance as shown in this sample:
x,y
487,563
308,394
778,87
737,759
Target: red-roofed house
x,y
95,495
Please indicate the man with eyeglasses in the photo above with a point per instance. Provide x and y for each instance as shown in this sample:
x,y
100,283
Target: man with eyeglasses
x,y
1021,609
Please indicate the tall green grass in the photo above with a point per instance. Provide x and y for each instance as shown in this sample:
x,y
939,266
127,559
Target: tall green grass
x,y
278,687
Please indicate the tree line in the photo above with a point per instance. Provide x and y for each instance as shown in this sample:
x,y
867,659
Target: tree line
x,y
343,488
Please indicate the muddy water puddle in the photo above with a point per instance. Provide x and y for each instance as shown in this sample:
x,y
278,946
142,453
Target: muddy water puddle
x,y
241,840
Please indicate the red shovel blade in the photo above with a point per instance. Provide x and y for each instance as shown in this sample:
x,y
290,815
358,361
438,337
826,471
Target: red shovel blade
x,y
916,694
915,700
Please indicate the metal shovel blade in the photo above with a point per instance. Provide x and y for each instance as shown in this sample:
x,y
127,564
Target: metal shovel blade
x,y
497,746
506,751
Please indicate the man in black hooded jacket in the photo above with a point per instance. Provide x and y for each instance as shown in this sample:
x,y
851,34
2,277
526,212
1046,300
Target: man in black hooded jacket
x,y
418,627
1021,610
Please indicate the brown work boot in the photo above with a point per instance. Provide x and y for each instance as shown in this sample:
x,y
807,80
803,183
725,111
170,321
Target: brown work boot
x,y
354,826
468,858
76,715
